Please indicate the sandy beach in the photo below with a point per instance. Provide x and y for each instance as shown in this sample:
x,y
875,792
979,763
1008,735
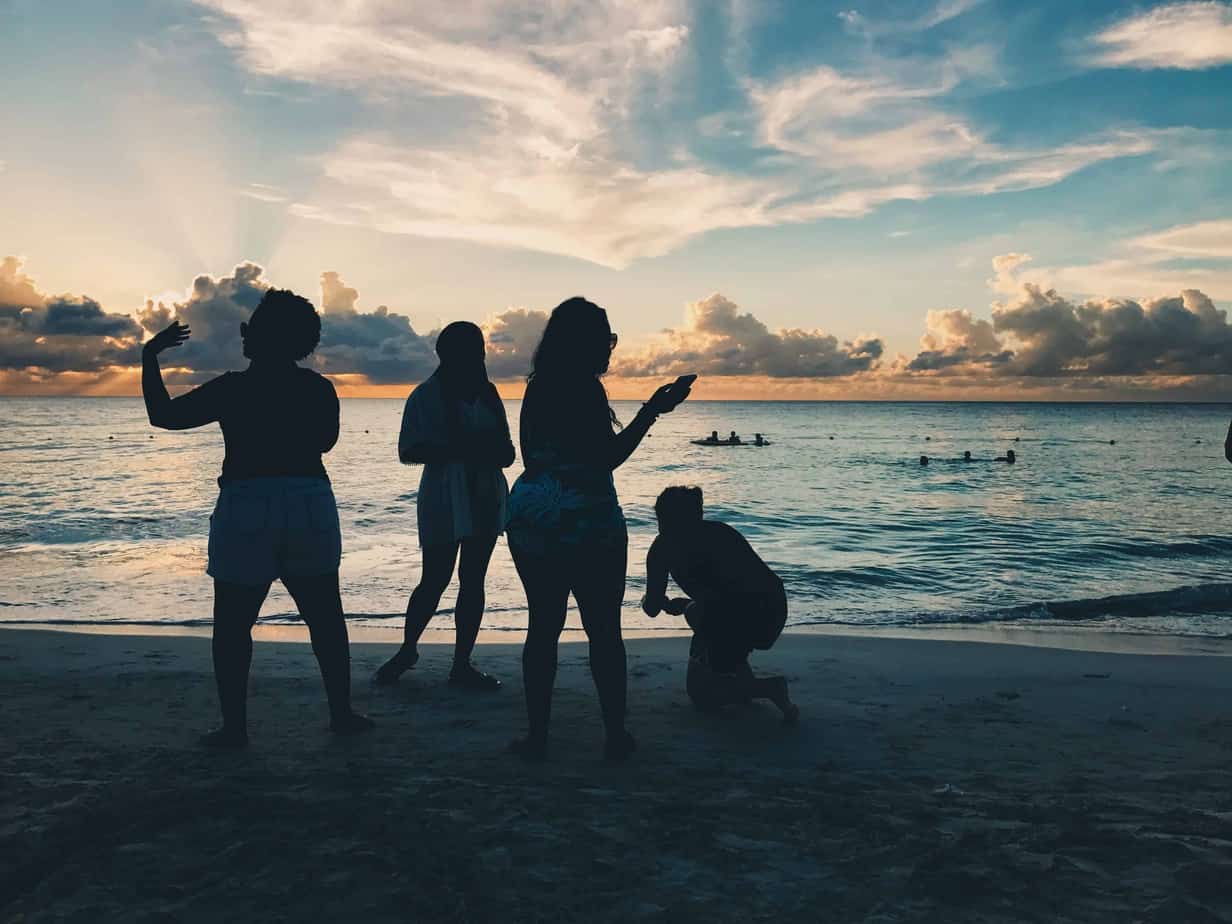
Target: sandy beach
x,y
929,779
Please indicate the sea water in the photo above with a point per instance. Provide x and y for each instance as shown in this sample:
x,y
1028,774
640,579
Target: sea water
x,y
1115,515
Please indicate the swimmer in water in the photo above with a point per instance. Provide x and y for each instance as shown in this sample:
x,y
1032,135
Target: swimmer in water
x,y
1008,457
923,460
758,440
967,456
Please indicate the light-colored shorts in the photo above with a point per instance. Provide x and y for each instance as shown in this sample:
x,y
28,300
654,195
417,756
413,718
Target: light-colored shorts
x,y
263,529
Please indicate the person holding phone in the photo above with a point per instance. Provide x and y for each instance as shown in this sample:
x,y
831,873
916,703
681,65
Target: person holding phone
x,y
566,529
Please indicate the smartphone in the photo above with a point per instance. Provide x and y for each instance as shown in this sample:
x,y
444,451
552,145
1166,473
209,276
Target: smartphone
x,y
684,381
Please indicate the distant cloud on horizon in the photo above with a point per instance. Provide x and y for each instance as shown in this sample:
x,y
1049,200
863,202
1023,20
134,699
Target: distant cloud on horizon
x,y
1036,337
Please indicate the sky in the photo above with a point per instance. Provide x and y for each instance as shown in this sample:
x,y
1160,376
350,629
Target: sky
x,y
794,198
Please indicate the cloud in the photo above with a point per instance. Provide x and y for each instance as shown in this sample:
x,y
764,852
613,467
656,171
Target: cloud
x,y
59,333
564,128
512,336
381,345
716,339
214,308
1043,334
554,69
1205,239
1188,256
504,193
1188,36
889,135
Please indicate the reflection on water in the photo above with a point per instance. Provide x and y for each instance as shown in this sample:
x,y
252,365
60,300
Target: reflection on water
x,y
100,518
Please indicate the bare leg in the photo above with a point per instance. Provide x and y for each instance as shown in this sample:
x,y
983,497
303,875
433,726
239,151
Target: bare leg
x,y
235,612
547,596
468,612
438,562
771,688
320,606
599,587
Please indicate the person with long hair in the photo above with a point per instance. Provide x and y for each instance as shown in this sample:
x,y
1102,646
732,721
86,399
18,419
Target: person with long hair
x,y
454,425
276,517
566,529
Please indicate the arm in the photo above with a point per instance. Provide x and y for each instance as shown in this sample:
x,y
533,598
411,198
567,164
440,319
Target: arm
x,y
416,445
1227,444
665,400
332,418
197,408
656,581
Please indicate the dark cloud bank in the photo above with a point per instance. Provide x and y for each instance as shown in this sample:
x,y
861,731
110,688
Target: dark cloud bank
x,y
1038,336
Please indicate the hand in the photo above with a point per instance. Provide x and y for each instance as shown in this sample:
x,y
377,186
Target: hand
x,y
668,398
170,336
676,606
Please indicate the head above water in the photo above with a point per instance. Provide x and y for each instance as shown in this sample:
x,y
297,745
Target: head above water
x,y
577,341
678,509
284,327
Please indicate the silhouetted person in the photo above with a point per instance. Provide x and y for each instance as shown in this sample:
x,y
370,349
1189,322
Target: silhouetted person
x,y
758,440
276,516
566,529
454,425
735,602
923,460
967,456
733,439
713,437
1009,457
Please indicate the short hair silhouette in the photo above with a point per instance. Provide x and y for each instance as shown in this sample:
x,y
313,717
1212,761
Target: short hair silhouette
x,y
679,504
284,326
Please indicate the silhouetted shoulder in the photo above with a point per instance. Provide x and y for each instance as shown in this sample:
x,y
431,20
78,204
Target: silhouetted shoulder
x,y
314,380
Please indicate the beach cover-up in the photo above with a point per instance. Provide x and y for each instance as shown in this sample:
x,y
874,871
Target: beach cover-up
x,y
456,500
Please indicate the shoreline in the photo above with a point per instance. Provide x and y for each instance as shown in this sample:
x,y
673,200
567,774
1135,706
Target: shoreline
x,y
1069,638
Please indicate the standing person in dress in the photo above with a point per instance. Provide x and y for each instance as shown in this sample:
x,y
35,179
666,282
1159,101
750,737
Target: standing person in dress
x,y
276,516
566,529
454,425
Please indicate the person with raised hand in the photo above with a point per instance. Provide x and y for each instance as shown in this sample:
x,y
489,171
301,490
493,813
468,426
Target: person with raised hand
x,y
276,517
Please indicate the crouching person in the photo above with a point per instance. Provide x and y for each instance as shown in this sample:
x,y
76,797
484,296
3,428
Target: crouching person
x,y
735,603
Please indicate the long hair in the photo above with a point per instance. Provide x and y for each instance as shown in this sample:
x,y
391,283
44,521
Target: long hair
x,y
462,372
573,352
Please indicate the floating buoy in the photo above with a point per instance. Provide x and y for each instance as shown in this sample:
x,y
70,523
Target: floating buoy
x,y
927,438
111,437
1111,442
1015,439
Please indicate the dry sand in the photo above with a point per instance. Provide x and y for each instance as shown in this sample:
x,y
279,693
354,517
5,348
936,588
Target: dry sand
x,y
928,780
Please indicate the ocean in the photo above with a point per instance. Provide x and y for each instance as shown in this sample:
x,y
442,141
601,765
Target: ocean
x,y
105,519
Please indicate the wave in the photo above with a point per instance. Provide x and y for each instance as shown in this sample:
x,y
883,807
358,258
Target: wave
x,y
1214,599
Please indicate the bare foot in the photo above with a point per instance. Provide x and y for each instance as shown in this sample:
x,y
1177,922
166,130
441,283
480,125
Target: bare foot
x,y
351,724
528,748
224,739
389,672
619,747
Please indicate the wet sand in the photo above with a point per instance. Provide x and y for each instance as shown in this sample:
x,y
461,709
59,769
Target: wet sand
x,y
929,779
